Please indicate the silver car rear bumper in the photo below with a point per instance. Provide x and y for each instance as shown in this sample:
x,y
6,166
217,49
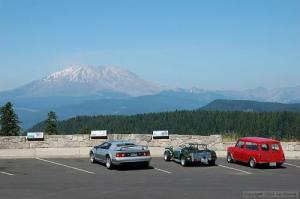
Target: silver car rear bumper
x,y
117,161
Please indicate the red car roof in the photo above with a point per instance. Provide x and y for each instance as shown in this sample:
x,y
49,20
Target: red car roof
x,y
258,140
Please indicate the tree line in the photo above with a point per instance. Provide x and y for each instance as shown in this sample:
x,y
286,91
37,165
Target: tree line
x,y
10,123
279,125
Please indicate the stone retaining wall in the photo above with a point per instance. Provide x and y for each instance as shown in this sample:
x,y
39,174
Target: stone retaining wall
x,y
80,140
62,146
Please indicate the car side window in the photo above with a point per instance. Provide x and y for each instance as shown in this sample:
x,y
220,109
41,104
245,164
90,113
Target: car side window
x,y
101,145
275,147
105,145
265,147
251,146
240,144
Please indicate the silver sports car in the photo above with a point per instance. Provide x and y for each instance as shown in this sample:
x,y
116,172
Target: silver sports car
x,y
114,153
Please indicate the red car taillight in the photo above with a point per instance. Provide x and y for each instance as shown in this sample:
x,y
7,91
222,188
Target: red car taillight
x,y
120,155
146,153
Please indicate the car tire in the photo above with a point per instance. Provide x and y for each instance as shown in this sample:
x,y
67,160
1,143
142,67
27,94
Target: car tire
x,y
146,165
183,161
229,158
278,165
108,163
252,163
212,162
92,158
167,156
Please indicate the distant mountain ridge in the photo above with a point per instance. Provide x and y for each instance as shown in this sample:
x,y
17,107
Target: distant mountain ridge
x,y
106,90
250,106
84,81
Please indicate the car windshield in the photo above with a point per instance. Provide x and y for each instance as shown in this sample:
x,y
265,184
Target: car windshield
x,y
197,146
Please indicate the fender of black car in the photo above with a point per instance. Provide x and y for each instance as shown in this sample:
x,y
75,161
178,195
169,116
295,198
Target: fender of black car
x,y
169,150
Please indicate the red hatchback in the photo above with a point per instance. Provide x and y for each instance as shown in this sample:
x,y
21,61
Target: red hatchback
x,y
256,150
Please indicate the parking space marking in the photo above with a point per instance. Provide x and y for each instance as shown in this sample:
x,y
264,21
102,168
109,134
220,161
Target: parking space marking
x,y
165,171
6,173
64,165
234,169
292,165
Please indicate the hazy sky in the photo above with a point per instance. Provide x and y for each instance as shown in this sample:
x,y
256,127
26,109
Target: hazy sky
x,y
186,43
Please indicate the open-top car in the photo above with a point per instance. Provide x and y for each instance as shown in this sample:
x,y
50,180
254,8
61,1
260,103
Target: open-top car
x,y
191,153
114,153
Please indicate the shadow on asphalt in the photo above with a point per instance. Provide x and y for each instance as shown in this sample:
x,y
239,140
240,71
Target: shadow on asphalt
x,y
128,167
131,168
260,166
196,164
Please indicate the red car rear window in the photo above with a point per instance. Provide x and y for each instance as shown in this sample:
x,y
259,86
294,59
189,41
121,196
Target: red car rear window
x,y
265,147
275,147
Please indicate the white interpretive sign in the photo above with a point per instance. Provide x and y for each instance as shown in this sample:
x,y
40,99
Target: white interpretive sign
x,y
162,134
35,136
98,134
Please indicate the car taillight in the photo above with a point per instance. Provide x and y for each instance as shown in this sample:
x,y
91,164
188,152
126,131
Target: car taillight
x,y
120,155
146,153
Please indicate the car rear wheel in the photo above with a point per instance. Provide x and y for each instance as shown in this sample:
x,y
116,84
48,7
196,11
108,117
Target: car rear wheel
x,y
146,164
167,156
183,161
211,162
229,158
108,163
252,163
279,165
92,158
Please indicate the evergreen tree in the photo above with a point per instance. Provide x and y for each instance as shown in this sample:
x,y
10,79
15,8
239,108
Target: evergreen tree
x,y
9,122
51,124
279,125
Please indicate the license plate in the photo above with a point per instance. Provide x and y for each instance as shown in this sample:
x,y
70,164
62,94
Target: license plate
x,y
133,154
204,160
272,164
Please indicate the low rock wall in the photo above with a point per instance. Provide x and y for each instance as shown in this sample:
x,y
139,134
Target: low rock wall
x,y
82,140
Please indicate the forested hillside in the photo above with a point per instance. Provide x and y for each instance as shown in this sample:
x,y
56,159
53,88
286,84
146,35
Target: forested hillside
x,y
267,124
250,106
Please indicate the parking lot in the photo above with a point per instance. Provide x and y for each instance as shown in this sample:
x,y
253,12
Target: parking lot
x,y
78,178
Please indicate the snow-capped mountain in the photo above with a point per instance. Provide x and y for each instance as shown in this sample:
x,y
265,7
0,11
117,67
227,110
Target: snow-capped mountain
x,y
89,90
87,80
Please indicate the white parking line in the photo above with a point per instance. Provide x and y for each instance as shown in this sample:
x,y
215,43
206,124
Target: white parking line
x,y
6,173
165,171
65,166
234,169
292,165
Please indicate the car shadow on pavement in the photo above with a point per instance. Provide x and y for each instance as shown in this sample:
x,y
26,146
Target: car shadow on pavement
x,y
128,167
198,165
132,167
260,166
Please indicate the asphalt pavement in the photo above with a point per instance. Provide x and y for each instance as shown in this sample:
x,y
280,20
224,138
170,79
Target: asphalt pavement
x,y
41,178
